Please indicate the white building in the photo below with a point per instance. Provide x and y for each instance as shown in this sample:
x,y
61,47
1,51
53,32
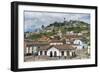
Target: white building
x,y
53,51
59,34
56,42
78,43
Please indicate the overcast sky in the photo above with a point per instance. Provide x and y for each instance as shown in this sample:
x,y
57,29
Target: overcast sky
x,y
34,20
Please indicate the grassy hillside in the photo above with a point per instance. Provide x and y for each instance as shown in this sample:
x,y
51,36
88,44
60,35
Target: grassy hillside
x,y
75,26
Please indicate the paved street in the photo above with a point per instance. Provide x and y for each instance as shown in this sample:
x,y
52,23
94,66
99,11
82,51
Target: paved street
x,y
81,54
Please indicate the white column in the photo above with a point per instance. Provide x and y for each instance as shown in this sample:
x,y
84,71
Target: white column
x,y
39,53
30,50
26,50
43,53
65,54
88,50
60,53
70,53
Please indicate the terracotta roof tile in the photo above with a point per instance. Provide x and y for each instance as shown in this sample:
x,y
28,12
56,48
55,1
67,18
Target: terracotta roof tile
x,y
60,47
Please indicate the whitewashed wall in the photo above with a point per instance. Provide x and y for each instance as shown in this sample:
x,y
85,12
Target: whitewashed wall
x,y
53,49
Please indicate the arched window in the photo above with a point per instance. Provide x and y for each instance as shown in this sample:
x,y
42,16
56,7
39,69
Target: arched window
x,y
51,54
55,53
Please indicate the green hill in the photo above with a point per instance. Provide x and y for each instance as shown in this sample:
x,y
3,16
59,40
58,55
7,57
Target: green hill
x,y
71,25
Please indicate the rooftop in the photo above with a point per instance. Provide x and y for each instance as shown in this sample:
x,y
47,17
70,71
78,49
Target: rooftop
x,y
60,47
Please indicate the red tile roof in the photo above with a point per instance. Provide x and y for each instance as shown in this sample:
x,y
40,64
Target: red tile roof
x,y
60,47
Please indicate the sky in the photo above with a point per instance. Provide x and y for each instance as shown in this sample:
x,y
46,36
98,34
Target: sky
x,y
34,20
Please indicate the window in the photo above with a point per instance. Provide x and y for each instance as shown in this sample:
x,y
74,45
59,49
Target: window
x,y
55,53
51,54
40,52
79,43
45,52
73,54
62,53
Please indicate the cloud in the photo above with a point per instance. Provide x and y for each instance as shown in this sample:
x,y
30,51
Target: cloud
x,y
34,20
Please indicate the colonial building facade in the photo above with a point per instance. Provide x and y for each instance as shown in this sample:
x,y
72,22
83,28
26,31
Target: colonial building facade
x,y
53,49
